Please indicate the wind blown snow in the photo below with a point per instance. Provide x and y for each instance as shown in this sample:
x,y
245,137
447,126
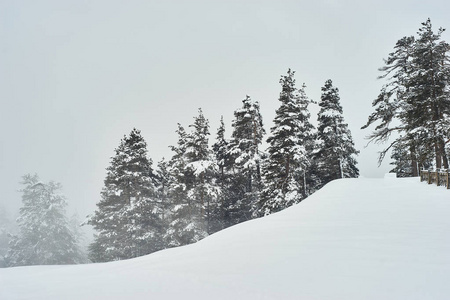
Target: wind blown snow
x,y
353,239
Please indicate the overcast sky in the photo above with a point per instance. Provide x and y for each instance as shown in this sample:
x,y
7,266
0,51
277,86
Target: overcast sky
x,y
76,76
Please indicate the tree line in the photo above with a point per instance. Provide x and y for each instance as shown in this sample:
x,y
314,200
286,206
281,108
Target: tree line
x,y
202,189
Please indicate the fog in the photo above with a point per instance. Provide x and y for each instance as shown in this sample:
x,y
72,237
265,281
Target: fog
x,y
76,76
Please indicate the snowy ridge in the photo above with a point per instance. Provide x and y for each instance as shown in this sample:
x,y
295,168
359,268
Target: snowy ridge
x,y
353,239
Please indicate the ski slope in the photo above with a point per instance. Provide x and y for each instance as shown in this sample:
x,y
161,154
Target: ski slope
x,y
353,239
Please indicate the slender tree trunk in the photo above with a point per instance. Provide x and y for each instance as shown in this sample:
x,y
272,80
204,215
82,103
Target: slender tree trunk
x,y
442,151
437,153
222,201
341,171
288,167
304,183
412,150
202,200
249,181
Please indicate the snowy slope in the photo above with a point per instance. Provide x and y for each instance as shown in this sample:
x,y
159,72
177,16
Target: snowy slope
x,y
354,239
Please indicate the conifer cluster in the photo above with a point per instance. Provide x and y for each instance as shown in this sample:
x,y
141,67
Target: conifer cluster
x,y
201,189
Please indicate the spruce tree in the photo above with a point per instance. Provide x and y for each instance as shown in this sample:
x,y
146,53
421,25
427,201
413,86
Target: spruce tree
x,y
203,195
291,143
162,189
223,178
336,152
220,150
243,150
128,217
193,191
45,237
178,206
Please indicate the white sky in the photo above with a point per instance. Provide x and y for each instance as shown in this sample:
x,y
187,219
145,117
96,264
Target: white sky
x,y
75,76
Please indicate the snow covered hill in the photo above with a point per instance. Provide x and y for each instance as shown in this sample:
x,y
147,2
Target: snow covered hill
x,y
354,239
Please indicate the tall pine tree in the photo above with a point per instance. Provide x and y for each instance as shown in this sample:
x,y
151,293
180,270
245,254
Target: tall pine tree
x,y
431,91
204,193
336,152
223,178
128,217
193,191
246,158
415,102
291,143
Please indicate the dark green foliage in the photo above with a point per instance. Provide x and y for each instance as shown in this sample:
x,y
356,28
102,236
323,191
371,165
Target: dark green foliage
x,y
415,103
405,159
335,150
224,180
245,163
193,193
286,173
129,216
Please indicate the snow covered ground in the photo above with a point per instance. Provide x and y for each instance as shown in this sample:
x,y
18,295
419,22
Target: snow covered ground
x,y
354,239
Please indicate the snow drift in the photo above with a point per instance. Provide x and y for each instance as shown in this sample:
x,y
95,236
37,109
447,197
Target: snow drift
x,y
353,239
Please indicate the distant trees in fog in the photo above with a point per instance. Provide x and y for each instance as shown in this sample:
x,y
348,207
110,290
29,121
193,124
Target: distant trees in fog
x,y
44,236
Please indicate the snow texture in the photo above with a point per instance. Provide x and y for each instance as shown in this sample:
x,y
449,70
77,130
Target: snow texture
x,y
353,239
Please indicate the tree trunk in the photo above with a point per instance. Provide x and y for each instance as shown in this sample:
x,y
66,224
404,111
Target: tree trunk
x,y
443,154
437,153
414,170
341,171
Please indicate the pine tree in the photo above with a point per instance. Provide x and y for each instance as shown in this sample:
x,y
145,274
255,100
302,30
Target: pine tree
x,y
163,180
291,144
415,103
223,178
220,150
336,149
204,193
403,160
431,93
128,219
243,150
44,237
193,191
178,206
